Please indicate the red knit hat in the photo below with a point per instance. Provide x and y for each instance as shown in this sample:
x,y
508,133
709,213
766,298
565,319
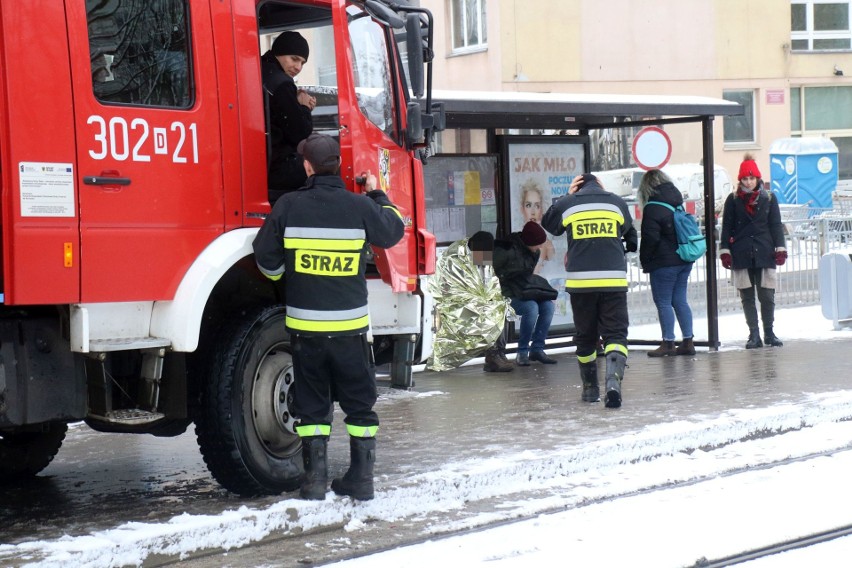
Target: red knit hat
x,y
749,168
532,234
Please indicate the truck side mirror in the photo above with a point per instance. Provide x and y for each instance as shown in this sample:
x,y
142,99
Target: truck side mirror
x,y
414,125
383,14
414,48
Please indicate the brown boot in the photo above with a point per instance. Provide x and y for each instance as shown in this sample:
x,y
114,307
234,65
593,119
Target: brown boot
x,y
686,347
665,349
494,363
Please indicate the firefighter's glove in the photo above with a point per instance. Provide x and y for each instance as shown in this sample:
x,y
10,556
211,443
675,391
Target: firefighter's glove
x,y
727,262
379,197
780,257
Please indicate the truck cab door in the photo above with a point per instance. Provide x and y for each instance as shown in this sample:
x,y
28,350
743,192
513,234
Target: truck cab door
x,y
148,143
371,125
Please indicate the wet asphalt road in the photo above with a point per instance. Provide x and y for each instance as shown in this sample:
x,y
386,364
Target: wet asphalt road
x,y
99,481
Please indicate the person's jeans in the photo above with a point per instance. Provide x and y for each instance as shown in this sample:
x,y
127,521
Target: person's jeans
x,y
668,287
535,323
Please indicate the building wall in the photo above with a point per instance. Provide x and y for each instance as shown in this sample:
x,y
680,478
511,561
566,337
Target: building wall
x,y
676,47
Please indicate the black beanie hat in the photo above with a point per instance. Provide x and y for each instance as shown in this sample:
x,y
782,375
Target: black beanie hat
x,y
532,234
290,43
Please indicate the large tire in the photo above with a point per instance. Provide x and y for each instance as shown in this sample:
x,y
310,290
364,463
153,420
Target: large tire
x,y
24,453
245,428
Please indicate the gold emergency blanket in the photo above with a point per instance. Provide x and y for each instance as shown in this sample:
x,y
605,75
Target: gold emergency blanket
x,y
470,311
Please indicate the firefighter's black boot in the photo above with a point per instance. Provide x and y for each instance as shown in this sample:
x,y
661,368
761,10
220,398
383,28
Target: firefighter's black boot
x,y
358,481
615,363
591,386
314,457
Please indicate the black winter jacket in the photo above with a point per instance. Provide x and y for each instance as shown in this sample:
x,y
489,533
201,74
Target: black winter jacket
x,y
752,241
514,264
658,245
596,223
316,238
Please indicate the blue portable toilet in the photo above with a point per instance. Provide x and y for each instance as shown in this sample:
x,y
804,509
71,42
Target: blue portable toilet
x,y
804,170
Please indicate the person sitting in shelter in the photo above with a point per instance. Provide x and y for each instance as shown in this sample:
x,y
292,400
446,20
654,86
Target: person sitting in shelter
x,y
289,109
531,295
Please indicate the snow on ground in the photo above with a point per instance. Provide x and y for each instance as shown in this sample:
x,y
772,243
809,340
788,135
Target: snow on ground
x,y
738,499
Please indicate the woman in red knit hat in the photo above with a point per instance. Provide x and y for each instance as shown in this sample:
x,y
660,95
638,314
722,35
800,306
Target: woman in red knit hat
x,y
751,246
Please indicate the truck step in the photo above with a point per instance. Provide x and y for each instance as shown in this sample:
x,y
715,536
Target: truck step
x,y
130,416
127,344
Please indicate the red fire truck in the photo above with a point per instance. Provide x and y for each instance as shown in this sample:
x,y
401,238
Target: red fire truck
x,y
133,160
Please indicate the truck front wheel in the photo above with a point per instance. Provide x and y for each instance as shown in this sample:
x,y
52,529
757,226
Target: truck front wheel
x,y
245,428
25,452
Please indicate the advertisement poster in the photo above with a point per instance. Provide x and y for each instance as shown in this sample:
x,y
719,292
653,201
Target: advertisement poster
x,y
538,174
460,195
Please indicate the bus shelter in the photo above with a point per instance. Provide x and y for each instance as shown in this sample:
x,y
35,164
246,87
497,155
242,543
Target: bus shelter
x,y
574,123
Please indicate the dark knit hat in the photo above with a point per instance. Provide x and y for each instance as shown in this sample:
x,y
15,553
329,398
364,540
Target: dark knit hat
x,y
290,43
481,241
748,168
319,150
532,234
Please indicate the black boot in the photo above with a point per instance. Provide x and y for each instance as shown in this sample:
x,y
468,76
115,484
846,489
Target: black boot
x,y
314,457
540,356
753,339
358,481
615,363
771,339
523,359
591,386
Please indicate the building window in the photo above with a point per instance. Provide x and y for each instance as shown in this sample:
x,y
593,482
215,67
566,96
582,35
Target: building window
x,y
740,129
820,25
825,111
468,24
140,52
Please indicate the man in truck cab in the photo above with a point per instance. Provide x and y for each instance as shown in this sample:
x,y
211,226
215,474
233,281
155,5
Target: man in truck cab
x,y
290,108
317,238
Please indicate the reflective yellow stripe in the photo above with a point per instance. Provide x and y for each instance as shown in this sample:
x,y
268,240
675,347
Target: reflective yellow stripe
x,y
362,431
395,210
307,430
597,283
323,244
616,347
321,326
587,358
592,215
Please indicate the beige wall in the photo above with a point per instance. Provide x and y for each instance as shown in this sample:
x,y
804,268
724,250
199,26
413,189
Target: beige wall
x,y
688,47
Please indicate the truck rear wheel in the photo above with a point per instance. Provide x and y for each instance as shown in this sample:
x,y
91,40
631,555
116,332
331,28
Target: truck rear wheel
x,y
245,427
24,453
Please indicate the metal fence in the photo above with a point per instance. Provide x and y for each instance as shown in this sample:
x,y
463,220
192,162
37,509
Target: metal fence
x,y
810,233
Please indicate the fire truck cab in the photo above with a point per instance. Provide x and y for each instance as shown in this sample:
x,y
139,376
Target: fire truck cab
x,y
133,148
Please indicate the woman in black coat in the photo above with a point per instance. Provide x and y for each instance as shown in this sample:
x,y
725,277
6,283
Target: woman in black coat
x,y
515,260
669,274
752,245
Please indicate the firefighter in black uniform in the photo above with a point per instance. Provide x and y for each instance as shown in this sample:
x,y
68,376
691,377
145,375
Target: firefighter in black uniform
x,y
289,107
325,231
596,222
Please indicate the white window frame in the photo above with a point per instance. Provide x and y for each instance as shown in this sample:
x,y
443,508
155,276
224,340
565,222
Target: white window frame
x,y
480,24
754,101
810,34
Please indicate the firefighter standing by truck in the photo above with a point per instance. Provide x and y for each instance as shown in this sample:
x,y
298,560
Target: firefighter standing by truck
x,y
596,222
325,230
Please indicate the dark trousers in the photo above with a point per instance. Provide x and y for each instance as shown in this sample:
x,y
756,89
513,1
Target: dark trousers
x,y
334,368
766,297
599,315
